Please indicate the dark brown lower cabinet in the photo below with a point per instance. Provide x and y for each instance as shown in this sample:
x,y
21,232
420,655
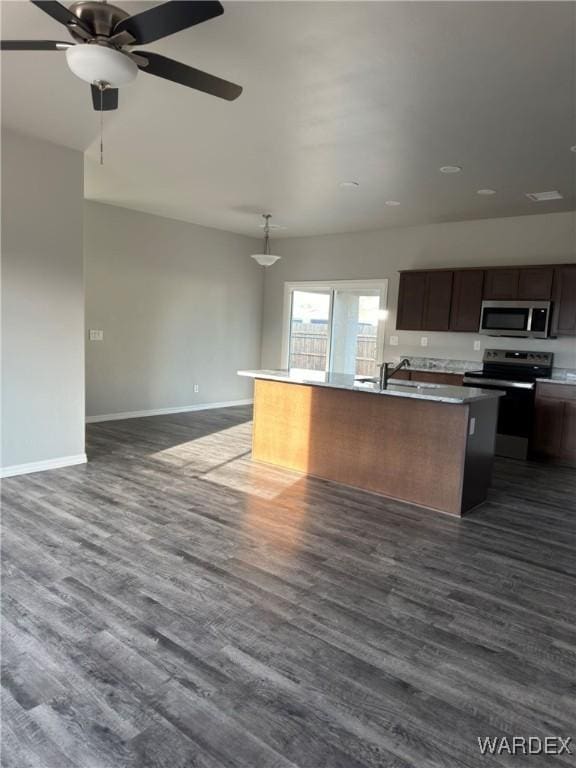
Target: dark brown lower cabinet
x,y
403,375
432,377
438,377
554,434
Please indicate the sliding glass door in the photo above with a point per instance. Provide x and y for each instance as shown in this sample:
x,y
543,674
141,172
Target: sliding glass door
x,y
335,327
310,321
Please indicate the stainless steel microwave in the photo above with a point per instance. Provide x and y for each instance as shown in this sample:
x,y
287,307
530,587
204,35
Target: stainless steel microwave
x,y
530,319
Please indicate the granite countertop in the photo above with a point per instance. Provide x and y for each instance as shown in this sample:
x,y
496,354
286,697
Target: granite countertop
x,y
441,365
561,376
418,391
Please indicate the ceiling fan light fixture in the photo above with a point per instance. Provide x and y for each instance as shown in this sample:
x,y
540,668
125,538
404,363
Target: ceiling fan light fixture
x,y
101,64
266,259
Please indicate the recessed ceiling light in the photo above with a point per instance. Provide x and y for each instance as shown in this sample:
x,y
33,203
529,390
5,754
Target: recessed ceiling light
x,y
392,203
349,184
542,197
486,191
450,169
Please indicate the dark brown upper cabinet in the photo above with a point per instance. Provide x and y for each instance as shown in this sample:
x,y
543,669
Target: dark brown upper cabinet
x,y
564,295
424,301
535,283
437,301
451,300
466,300
501,284
411,298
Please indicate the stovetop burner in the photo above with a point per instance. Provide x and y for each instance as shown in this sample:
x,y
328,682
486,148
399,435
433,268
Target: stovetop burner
x,y
515,365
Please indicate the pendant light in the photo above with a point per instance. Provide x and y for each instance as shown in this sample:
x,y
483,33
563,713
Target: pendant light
x,y
266,259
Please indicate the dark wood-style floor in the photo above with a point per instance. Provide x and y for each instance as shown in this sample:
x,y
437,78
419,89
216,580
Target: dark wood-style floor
x,y
173,605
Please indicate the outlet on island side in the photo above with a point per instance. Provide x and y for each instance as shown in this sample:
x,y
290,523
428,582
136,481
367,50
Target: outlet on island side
x,y
196,389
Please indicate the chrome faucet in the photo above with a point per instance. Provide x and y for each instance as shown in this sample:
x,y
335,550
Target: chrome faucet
x,y
386,373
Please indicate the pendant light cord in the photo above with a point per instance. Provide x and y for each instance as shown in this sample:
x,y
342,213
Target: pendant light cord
x,y
266,217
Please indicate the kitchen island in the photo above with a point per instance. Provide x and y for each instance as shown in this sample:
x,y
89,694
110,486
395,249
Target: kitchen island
x,y
426,444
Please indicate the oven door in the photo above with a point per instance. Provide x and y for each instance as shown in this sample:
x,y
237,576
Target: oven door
x,y
515,415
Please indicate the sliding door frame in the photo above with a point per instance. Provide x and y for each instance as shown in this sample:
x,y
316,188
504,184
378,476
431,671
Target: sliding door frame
x,y
331,287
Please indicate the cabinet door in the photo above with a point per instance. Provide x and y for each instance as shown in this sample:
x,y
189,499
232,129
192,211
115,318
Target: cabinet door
x,y
535,283
411,301
501,284
548,427
438,377
564,312
466,300
403,375
438,300
568,445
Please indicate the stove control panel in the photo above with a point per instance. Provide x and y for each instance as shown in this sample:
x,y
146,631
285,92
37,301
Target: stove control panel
x,y
518,357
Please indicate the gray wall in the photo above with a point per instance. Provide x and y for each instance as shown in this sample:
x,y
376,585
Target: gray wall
x,y
42,301
541,239
179,305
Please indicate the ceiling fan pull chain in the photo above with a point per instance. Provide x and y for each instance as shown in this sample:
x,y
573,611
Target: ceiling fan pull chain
x,y
101,86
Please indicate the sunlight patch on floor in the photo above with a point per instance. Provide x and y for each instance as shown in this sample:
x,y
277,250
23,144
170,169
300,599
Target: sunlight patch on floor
x,y
208,451
224,458
253,478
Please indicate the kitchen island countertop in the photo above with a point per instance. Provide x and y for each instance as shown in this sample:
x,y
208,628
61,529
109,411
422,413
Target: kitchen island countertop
x,y
440,393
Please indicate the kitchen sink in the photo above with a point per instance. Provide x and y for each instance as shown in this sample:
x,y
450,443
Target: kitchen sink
x,y
398,382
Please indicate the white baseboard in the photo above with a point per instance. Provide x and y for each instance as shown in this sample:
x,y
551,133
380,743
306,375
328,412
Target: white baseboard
x,y
165,411
42,466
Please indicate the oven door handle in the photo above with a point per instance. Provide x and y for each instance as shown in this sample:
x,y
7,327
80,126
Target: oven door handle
x,y
499,383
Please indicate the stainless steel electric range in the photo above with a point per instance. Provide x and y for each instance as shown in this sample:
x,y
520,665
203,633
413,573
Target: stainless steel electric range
x,y
513,372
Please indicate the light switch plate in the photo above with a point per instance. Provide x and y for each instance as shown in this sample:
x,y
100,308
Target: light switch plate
x,y
424,341
477,345
96,335
393,341
196,388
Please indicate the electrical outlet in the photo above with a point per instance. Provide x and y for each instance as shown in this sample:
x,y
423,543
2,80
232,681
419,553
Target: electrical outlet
x,y
477,345
393,341
196,388
96,335
472,426
424,341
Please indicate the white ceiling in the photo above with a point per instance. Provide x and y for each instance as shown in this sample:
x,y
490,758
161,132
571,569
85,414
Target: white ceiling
x,y
379,92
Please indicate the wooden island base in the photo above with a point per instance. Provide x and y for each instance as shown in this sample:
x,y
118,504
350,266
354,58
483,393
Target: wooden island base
x,y
413,450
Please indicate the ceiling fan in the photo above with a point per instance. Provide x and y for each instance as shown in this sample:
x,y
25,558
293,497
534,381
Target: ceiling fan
x,y
105,35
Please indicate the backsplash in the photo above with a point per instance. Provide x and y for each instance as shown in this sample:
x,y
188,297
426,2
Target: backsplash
x,y
460,347
439,364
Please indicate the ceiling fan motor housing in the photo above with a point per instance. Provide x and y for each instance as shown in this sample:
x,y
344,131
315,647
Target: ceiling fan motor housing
x,y
99,17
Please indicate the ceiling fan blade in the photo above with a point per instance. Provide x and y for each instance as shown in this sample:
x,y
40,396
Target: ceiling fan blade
x,y
167,18
185,75
105,100
33,45
61,14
